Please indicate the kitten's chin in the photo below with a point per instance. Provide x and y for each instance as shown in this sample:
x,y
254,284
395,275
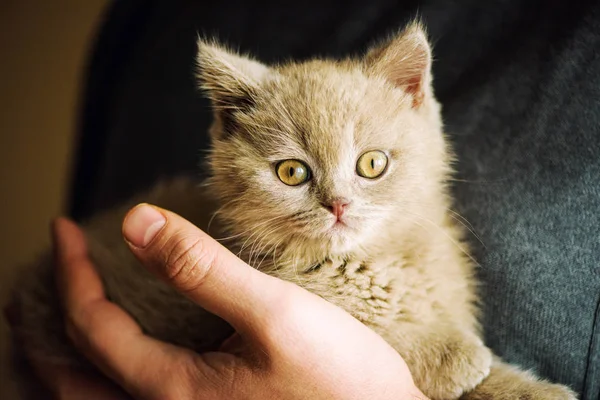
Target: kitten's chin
x,y
339,238
331,238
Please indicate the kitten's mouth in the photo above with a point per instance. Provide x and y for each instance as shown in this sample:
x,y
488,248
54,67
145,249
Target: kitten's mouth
x,y
339,224
337,227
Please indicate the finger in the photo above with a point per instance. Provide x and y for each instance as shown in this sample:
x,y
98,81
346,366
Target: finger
x,y
61,381
71,259
66,383
202,269
105,333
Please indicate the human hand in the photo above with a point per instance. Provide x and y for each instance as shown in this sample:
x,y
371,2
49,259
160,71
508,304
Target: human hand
x,y
289,343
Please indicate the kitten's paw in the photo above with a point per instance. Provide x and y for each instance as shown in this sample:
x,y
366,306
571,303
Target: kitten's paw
x,y
531,391
508,382
462,364
549,392
545,391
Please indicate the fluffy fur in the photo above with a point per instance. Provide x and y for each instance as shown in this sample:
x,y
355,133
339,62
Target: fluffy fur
x,y
398,262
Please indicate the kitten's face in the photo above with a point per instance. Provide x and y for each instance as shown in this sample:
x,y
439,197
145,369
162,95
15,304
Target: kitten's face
x,y
325,157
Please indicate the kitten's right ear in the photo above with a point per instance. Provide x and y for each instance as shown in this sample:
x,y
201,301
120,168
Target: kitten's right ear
x,y
231,81
405,61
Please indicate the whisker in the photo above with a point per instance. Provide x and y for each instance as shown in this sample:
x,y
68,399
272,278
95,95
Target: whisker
x,y
470,228
255,250
256,229
248,230
458,246
217,212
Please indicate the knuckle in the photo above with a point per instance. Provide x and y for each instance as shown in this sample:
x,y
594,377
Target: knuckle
x,y
188,262
183,384
221,377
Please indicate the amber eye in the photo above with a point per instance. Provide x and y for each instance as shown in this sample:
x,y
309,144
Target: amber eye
x,y
371,164
292,172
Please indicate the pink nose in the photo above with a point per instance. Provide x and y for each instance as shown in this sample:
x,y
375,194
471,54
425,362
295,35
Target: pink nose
x,y
337,207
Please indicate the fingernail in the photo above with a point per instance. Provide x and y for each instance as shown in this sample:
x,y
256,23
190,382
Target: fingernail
x,y
142,224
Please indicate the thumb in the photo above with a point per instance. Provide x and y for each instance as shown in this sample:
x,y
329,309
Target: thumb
x,y
202,269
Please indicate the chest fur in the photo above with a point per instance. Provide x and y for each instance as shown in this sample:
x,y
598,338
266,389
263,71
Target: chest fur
x,y
369,290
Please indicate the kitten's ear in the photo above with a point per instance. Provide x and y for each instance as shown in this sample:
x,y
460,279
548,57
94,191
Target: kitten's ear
x,y
405,61
230,80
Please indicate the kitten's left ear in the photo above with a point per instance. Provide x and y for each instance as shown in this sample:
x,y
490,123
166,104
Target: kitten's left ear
x,y
405,61
231,80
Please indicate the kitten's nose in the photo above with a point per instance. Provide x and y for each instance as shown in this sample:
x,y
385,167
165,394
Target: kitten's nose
x,y
337,206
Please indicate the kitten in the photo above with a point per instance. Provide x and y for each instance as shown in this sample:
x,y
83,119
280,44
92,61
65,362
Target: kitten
x,y
332,175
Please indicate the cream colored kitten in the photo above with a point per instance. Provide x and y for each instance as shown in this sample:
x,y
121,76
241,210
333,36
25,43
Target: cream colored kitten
x,y
332,175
